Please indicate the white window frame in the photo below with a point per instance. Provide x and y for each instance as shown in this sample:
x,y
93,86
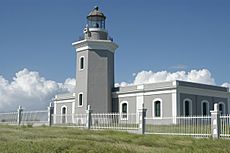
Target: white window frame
x,y
224,109
153,107
66,108
78,103
207,109
79,62
190,106
121,116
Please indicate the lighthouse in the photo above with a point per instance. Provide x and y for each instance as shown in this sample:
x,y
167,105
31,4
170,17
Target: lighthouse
x,y
94,65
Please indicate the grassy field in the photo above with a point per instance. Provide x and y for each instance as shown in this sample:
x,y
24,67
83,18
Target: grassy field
x,y
72,140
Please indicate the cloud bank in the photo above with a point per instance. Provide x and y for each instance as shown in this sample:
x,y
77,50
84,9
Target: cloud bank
x,y
199,76
30,90
34,92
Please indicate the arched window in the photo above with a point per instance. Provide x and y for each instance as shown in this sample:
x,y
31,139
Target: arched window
x,y
63,114
222,108
157,107
80,99
82,62
124,110
204,108
187,108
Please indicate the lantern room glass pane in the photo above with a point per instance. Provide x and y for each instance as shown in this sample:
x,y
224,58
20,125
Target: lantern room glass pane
x,y
96,22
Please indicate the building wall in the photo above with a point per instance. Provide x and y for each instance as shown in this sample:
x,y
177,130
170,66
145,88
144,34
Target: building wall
x,y
166,100
197,102
96,34
133,106
131,103
171,97
115,105
200,92
58,105
96,80
81,81
172,94
100,80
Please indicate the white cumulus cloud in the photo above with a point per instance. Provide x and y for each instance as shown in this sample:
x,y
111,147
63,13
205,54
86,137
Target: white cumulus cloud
x,y
30,90
198,76
33,91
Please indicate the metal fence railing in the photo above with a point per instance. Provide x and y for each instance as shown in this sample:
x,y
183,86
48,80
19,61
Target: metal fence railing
x,y
225,126
98,120
78,120
8,118
116,121
34,117
192,125
216,125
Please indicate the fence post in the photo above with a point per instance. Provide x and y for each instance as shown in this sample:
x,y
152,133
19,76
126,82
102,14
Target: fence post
x,y
50,114
215,122
19,118
141,117
88,117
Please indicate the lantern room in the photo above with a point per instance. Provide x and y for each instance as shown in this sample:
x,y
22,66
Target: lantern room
x,y
96,19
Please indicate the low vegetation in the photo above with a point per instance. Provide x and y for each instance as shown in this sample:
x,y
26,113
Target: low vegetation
x,y
29,139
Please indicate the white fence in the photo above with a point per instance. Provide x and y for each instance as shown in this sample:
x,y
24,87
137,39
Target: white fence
x,y
78,120
114,121
21,117
193,126
8,118
34,117
200,126
225,126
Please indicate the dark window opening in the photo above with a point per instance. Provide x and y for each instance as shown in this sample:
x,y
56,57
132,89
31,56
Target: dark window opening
x,y
64,115
80,99
221,108
81,63
157,106
124,109
187,111
205,109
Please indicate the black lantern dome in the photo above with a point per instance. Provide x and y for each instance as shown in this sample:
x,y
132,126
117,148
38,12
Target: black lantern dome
x,y
96,19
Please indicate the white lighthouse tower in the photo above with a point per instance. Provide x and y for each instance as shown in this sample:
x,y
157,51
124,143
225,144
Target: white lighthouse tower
x,y
95,65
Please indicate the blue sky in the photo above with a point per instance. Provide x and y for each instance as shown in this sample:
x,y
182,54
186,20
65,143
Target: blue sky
x,y
157,35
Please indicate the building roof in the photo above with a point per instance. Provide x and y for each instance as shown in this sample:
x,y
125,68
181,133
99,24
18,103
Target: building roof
x,y
202,86
64,96
96,12
166,85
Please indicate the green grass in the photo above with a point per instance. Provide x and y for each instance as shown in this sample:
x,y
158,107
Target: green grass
x,y
73,140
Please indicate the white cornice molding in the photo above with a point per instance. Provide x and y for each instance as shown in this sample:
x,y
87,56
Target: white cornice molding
x,y
95,44
149,93
64,101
